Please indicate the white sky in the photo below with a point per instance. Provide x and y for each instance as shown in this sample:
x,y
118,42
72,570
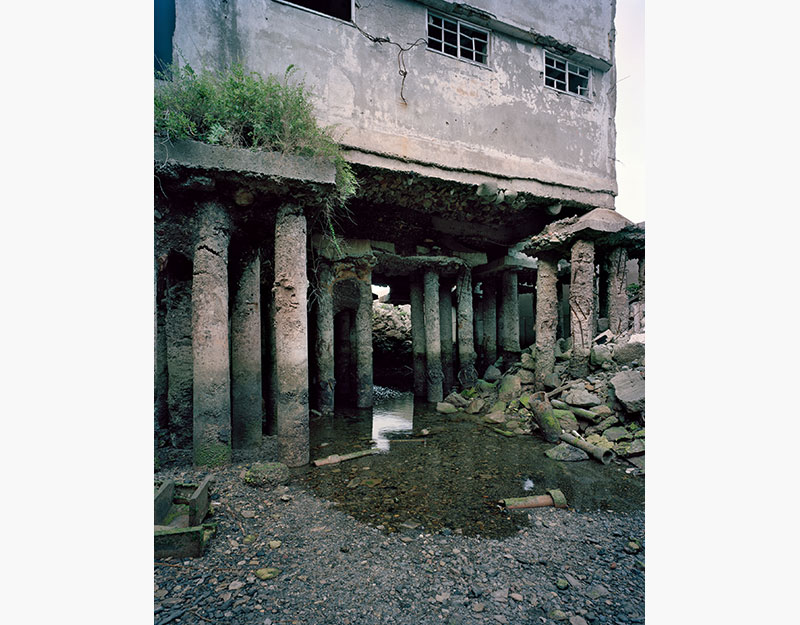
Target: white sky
x,y
630,109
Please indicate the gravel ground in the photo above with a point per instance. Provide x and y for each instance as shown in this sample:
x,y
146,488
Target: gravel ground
x,y
567,567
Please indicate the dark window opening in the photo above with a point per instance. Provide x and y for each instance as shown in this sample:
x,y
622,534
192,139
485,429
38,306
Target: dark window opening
x,y
164,28
343,9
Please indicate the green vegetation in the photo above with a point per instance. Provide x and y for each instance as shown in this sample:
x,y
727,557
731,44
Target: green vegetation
x,y
634,290
241,109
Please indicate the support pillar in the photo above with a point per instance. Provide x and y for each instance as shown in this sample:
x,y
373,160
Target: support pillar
x,y
641,279
417,335
246,357
323,346
343,355
490,321
509,318
616,287
546,319
291,336
363,345
581,306
433,346
178,331
446,335
210,342
464,325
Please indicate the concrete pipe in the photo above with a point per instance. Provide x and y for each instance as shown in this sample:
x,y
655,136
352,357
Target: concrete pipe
x,y
603,456
554,497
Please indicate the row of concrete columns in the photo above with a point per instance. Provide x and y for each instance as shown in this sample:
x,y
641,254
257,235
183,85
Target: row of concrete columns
x,y
582,306
224,346
498,321
437,358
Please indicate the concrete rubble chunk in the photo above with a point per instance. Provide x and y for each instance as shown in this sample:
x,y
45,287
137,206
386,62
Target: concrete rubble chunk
x,y
445,407
582,398
566,453
629,390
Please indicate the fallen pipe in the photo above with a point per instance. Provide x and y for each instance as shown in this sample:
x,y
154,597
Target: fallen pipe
x,y
544,417
600,454
554,497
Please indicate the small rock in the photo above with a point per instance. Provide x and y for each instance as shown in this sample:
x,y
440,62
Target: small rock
x,y
274,544
577,620
582,398
235,585
617,433
248,514
267,573
443,597
633,547
596,591
492,374
562,584
478,607
406,539
515,596
495,417
500,595
557,615
445,408
566,453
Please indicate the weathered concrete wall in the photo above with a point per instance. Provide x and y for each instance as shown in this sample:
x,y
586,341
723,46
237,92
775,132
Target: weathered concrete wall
x,y
456,114
178,330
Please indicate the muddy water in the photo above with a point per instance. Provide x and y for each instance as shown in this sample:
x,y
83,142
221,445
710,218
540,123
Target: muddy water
x,y
451,478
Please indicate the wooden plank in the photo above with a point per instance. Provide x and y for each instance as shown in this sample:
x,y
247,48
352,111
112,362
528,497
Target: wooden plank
x,y
198,502
336,458
162,501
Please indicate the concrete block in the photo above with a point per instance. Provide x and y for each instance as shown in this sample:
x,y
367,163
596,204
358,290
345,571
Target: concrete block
x,y
163,501
178,543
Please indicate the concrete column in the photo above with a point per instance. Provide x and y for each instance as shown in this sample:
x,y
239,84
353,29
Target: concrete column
x,y
546,319
464,322
210,342
363,345
509,317
343,362
490,321
323,346
417,335
446,335
641,279
433,345
178,330
246,357
291,336
477,324
616,288
581,306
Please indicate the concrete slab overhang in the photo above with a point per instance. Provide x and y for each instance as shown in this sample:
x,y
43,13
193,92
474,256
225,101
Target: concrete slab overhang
x,y
194,166
605,227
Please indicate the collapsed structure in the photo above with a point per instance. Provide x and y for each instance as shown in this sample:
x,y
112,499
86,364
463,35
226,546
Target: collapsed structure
x,y
483,165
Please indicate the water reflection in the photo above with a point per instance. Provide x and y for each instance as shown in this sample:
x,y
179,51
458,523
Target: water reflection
x,y
391,414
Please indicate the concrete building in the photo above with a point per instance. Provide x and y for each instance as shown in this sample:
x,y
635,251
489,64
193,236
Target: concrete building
x,y
470,128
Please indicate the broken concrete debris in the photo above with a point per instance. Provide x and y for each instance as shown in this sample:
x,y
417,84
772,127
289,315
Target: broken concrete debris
x,y
598,416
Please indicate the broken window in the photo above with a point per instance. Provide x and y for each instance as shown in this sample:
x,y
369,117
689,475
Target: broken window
x,y
457,39
563,75
343,9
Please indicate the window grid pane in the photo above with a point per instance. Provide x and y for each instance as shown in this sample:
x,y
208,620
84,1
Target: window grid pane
x,y
565,76
457,39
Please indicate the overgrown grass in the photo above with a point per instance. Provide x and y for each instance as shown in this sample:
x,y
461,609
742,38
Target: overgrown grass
x,y
241,109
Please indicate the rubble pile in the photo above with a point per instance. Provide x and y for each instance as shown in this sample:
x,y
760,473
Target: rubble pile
x,y
604,409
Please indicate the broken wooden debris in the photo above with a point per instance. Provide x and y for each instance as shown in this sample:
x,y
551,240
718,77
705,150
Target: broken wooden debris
x,y
336,458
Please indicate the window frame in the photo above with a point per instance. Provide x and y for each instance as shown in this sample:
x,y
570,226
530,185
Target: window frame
x,y
294,5
457,45
568,66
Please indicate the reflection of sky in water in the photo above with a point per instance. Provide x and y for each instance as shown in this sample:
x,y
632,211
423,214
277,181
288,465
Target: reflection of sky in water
x,y
389,415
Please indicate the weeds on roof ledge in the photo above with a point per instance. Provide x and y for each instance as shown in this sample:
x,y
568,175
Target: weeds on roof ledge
x,y
237,108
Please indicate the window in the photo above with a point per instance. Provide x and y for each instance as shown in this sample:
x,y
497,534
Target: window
x,y
458,39
343,9
565,76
